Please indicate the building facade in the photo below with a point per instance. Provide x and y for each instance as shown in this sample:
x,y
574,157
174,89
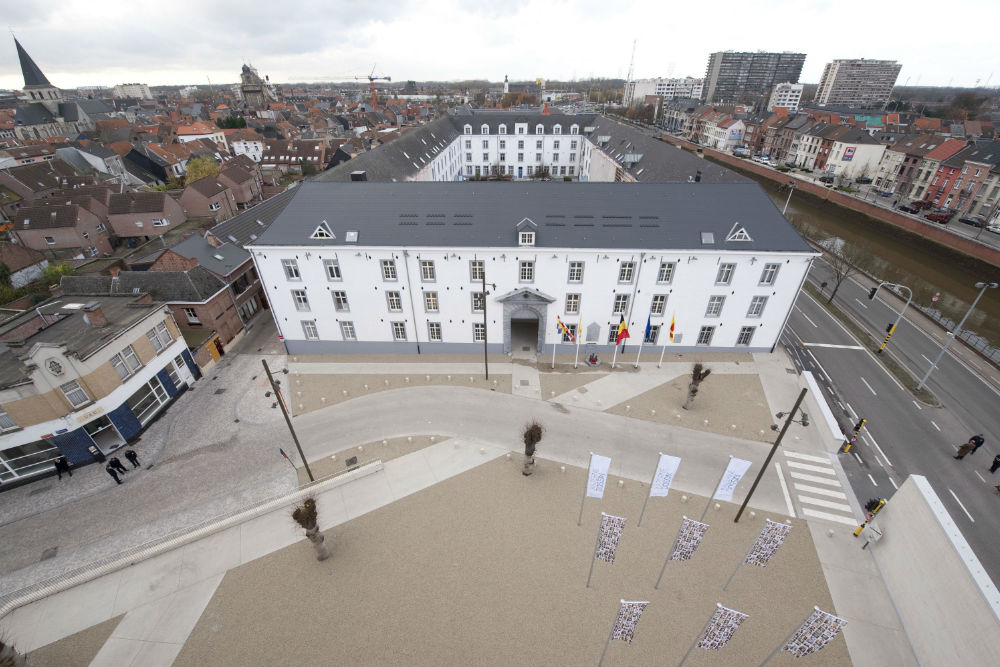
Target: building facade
x,y
864,84
786,95
744,77
688,87
82,377
401,267
137,90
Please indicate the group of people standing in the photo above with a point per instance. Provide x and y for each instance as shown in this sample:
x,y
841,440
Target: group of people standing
x,y
970,447
115,466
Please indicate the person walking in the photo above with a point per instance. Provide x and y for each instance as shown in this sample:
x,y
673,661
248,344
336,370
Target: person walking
x,y
62,466
996,463
116,463
976,441
132,457
111,471
963,450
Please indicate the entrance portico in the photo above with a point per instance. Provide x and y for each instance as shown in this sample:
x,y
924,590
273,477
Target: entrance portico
x,y
525,318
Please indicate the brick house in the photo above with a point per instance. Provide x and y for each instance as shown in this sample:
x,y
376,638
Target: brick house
x,y
143,214
245,188
54,226
208,198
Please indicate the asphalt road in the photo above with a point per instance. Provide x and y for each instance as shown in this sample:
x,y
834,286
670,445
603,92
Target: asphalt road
x,y
903,436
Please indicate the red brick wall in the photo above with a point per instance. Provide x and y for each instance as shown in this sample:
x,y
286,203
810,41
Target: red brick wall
x,y
934,233
171,261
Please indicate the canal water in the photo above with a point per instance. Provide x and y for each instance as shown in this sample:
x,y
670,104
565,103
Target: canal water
x,y
904,258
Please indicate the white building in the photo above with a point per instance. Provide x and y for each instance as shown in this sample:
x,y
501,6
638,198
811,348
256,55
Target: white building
x,y
139,90
854,155
858,83
787,95
251,148
400,267
686,88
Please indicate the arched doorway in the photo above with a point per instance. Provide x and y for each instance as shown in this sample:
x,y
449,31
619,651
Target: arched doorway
x,y
525,321
524,333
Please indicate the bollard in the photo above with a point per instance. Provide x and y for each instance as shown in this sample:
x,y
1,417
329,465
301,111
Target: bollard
x,y
427,378
552,394
508,456
407,379
300,406
409,438
628,408
360,448
482,450
333,458
732,426
299,394
387,383
621,483
829,533
652,412
366,387
298,382
295,358
449,378
562,468
684,499
470,379
432,438
753,514
385,442
322,399
345,392
718,507
705,422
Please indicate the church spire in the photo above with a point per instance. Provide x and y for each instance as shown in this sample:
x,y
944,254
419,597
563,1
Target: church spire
x,y
33,77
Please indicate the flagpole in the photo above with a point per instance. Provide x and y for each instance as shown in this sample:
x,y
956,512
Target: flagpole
x,y
615,356
718,605
579,522
650,491
579,334
593,556
670,337
610,635
669,553
787,639
662,351
714,489
643,342
741,563
554,354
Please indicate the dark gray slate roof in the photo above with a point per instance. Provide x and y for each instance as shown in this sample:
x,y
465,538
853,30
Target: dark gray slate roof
x,y
667,216
32,73
222,260
250,224
195,285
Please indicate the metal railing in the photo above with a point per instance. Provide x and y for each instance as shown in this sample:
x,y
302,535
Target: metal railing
x,y
967,336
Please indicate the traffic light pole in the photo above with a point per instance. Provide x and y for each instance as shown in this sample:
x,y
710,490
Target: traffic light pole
x,y
892,327
854,436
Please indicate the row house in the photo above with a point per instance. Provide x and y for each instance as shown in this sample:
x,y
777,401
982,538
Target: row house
x,y
245,142
56,225
853,154
15,157
141,215
201,130
244,185
82,377
208,198
289,156
889,169
37,181
929,165
808,145
903,162
723,132
967,182
780,136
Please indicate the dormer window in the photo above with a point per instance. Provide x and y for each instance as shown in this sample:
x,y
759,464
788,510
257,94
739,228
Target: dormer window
x,y
539,129
574,129
468,129
557,129
502,129
485,129
526,238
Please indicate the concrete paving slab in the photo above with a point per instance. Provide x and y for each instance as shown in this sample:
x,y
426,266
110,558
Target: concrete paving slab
x,y
148,580
321,368
881,646
366,494
208,557
117,652
183,612
264,534
156,654
455,456
136,624
75,610
407,479
613,389
331,508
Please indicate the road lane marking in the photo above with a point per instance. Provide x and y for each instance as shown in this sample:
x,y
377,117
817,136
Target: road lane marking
x,y
918,405
810,468
961,505
879,462
893,482
835,320
784,490
806,457
841,405
813,478
851,410
829,517
893,378
825,503
823,492
861,304
926,359
872,479
809,320
869,386
858,458
869,436
935,425
979,476
835,347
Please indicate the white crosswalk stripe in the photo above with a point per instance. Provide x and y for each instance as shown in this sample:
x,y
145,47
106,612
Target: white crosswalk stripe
x,y
817,489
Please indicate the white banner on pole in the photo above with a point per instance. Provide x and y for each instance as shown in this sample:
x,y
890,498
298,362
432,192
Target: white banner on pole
x,y
721,628
815,632
597,476
771,537
734,473
688,539
664,477
611,532
628,618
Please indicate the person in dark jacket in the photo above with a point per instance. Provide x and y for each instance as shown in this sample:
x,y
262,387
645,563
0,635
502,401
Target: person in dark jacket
x,y
963,450
996,463
62,466
116,463
111,471
976,441
132,457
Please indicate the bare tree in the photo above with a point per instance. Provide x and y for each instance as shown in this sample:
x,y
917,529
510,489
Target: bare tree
x,y
305,516
532,436
844,260
698,374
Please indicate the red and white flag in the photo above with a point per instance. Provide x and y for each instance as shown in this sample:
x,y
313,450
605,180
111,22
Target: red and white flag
x,y
721,628
688,539
628,618
771,537
815,632
611,532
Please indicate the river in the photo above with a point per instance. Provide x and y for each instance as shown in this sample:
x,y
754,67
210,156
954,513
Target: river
x,y
899,257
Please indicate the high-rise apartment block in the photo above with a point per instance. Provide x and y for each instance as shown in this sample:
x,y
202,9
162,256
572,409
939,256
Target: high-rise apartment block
x,y
787,95
858,83
744,77
686,88
136,90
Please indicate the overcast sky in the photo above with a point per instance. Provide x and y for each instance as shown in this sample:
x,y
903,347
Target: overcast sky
x,y
104,42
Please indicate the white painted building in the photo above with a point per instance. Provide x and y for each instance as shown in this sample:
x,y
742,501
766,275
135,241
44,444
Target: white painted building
x,y
854,156
668,89
138,90
252,149
399,267
787,95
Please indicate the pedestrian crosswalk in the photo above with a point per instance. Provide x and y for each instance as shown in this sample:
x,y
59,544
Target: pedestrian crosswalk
x,y
817,488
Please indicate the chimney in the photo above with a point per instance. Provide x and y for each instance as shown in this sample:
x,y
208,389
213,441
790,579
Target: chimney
x,y
93,315
212,239
359,175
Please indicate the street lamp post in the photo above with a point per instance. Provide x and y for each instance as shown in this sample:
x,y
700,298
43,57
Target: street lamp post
x,y
899,316
954,333
791,189
486,354
788,422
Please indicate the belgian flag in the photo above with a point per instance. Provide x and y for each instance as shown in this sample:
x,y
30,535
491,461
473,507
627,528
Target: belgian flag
x,y
622,331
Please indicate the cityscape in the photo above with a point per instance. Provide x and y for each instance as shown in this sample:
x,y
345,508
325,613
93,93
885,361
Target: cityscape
x,y
369,343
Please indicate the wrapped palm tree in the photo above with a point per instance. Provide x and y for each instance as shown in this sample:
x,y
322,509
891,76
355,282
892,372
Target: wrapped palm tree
x,y
532,436
9,656
305,516
698,373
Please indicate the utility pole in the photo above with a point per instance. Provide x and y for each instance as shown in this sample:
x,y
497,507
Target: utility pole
x,y
954,333
281,403
791,189
774,448
486,353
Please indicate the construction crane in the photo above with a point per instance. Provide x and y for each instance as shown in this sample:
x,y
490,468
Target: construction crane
x,y
372,79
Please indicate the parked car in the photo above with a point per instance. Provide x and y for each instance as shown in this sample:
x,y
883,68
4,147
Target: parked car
x,y
909,208
864,180
940,216
826,179
993,228
974,220
884,193
921,204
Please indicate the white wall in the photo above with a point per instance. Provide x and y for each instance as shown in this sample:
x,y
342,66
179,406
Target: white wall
x,y
865,160
474,154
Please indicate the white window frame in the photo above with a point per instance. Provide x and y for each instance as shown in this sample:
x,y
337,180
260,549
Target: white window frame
x,y
398,331
309,330
626,272
192,316
654,334
50,240
658,305
214,206
347,331
291,268
431,304
748,332
572,330
332,269
477,269
394,301
526,239
6,423
427,272
705,335
620,304
478,332
478,302
526,271
757,305
716,302
724,276
434,332
301,300
573,304
340,302
575,274
389,273
71,388
769,274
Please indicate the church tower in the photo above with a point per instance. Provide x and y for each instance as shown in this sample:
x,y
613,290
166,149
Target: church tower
x,y
506,85
36,86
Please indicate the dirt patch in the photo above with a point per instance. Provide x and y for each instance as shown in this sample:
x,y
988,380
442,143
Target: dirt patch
x,y
560,383
76,650
383,450
724,401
